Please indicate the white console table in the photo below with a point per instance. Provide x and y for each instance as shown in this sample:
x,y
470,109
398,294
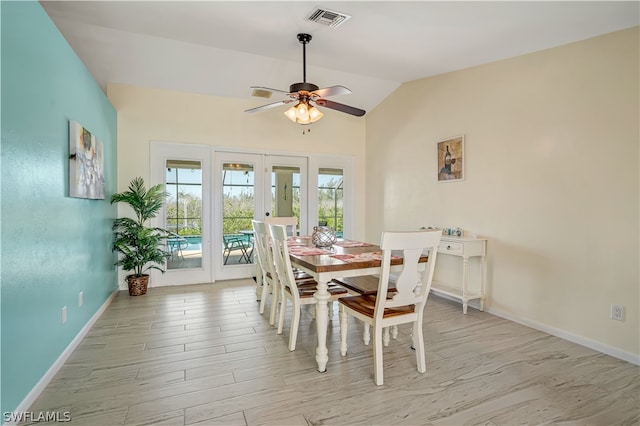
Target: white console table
x,y
463,247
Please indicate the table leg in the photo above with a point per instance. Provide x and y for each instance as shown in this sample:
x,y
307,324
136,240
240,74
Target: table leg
x,y
322,323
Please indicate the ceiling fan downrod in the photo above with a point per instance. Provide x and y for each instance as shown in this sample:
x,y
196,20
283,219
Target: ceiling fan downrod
x,y
304,39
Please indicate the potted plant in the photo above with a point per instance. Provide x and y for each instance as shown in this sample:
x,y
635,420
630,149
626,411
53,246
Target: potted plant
x,y
140,247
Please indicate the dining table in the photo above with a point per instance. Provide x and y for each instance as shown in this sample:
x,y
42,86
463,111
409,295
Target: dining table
x,y
345,258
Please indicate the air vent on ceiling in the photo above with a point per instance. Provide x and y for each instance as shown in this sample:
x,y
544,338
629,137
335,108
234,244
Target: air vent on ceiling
x,y
327,17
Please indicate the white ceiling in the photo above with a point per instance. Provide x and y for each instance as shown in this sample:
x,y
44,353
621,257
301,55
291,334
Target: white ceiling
x,y
222,47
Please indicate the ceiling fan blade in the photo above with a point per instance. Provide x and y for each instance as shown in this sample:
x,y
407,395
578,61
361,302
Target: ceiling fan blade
x,y
340,107
269,89
269,106
331,91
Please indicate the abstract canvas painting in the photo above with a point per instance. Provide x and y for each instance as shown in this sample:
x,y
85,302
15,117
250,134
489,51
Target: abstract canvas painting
x,y
451,159
86,164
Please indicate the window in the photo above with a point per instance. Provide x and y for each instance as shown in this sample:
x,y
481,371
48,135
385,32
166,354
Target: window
x,y
285,192
331,199
184,213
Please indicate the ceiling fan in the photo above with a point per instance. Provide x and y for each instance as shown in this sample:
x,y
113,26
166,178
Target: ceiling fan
x,y
306,93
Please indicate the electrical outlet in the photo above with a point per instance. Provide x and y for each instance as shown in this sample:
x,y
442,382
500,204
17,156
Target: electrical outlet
x,y
617,312
80,299
64,315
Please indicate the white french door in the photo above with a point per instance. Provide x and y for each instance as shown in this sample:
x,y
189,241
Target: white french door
x,y
239,198
214,195
185,172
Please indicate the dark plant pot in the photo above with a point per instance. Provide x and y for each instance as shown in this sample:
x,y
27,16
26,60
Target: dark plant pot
x,y
137,285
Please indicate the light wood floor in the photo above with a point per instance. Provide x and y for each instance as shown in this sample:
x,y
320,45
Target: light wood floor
x,y
202,354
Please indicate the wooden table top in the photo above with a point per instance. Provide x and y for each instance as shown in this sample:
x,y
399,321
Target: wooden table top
x,y
328,263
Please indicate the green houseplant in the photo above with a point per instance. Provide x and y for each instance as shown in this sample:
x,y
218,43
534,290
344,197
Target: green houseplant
x,y
140,247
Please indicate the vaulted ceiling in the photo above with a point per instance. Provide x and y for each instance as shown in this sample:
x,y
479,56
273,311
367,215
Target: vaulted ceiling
x,y
221,48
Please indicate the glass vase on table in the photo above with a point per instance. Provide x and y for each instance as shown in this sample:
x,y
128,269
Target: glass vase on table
x,y
323,236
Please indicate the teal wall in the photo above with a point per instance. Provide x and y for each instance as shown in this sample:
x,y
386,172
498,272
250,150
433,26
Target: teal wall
x,y
52,246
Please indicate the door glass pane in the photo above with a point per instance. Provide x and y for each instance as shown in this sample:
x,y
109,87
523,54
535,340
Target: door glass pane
x,y
331,199
237,213
184,214
285,192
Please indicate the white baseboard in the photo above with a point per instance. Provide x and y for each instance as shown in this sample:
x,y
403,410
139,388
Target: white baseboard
x,y
53,370
582,341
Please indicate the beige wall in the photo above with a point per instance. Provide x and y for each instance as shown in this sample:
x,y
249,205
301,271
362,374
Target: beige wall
x,y
552,155
146,115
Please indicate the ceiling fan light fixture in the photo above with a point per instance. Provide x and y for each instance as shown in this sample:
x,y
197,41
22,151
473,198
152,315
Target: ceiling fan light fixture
x,y
314,114
303,113
291,114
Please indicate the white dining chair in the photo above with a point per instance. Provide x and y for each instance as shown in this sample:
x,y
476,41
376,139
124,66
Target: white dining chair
x,y
270,282
290,222
291,290
265,263
405,305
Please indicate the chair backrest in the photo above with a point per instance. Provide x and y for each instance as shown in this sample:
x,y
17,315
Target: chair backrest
x,y
232,240
178,241
410,289
291,223
281,258
261,243
263,246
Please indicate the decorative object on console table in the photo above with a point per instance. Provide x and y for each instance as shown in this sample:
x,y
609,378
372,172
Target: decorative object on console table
x,y
450,154
464,248
456,232
323,236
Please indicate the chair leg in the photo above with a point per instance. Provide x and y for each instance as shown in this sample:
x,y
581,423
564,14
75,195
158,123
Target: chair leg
x,y
366,338
386,336
275,299
394,332
343,329
378,375
293,333
263,296
418,344
283,308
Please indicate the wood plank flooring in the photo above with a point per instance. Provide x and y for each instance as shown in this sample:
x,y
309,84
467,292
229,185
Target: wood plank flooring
x,y
202,354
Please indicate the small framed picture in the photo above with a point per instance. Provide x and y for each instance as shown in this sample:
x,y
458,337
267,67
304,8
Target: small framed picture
x,y
451,159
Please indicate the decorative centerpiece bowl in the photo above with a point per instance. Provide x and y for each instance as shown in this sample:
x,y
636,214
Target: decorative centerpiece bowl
x,y
323,236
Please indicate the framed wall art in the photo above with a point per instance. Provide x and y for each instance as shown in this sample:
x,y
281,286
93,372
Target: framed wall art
x,y
451,159
86,164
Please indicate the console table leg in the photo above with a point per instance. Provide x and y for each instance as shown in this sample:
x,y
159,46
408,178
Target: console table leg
x,y
483,272
465,262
